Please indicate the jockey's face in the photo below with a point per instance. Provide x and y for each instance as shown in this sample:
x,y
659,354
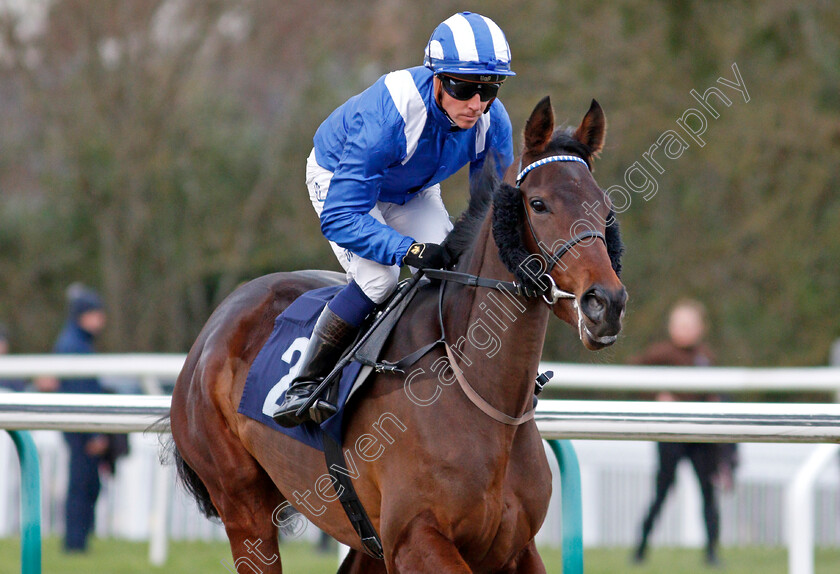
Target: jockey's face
x,y
464,113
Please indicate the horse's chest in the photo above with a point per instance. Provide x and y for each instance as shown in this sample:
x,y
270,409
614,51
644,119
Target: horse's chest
x,y
499,533
504,514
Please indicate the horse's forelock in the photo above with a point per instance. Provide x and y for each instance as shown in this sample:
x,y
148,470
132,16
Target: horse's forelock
x,y
563,141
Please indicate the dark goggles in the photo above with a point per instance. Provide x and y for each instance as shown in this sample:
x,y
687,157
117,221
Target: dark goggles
x,y
461,89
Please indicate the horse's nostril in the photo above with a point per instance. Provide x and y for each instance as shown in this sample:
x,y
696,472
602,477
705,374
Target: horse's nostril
x,y
594,305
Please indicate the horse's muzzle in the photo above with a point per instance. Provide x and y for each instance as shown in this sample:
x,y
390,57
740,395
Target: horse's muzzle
x,y
601,311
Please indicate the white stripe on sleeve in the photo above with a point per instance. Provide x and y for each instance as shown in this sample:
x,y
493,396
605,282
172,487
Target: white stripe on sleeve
x,y
409,104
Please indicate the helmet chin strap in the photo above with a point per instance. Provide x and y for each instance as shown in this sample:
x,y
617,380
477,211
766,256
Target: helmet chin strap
x,y
438,95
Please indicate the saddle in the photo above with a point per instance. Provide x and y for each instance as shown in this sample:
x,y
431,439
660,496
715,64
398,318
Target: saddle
x,y
274,367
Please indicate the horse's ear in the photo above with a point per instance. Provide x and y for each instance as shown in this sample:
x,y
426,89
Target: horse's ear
x,y
539,127
593,129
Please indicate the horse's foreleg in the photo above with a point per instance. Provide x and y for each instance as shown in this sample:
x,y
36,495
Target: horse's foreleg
x,y
529,561
422,548
357,562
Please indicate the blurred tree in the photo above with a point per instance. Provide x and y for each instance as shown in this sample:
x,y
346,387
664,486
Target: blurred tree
x,y
155,149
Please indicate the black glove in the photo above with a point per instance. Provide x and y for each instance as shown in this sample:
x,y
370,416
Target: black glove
x,y
425,256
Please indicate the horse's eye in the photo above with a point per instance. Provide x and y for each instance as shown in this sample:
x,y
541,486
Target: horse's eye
x,y
538,205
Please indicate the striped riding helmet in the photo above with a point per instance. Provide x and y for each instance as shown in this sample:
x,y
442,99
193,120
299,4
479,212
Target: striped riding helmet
x,y
470,44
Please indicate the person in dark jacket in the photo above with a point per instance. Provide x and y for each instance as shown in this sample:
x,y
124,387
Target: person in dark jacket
x,y
86,319
685,348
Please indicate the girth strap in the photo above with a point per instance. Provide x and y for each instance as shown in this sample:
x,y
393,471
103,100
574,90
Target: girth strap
x,y
478,401
343,485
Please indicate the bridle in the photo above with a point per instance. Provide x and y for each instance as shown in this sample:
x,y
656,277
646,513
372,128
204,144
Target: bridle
x,y
553,292
550,295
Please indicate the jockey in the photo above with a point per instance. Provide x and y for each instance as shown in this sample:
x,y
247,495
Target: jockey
x,y
374,180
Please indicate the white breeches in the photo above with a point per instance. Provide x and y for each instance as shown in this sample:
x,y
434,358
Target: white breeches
x,y
424,218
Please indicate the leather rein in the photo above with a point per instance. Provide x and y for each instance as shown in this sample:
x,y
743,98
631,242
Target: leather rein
x,y
551,295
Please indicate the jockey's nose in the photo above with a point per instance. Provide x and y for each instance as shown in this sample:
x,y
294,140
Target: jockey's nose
x,y
474,102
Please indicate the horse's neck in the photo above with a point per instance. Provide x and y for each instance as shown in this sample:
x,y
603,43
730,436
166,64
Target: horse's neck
x,y
499,337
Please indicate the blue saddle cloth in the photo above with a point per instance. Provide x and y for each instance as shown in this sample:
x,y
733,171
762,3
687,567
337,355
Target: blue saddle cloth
x,y
278,363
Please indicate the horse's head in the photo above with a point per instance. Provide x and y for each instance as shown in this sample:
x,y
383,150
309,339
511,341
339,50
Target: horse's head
x,y
567,225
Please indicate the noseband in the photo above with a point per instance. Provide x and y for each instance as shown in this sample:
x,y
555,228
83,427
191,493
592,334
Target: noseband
x,y
554,293
551,295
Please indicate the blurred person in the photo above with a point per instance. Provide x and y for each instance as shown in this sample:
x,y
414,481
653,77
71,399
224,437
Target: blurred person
x,y
711,462
5,347
86,319
374,180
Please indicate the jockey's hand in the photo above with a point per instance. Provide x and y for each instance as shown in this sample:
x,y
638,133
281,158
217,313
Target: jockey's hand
x,y
425,256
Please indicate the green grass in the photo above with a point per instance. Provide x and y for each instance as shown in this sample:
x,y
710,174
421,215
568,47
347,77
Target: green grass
x,y
106,556
755,560
120,557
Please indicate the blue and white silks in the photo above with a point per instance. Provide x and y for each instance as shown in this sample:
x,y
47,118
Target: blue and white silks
x,y
390,142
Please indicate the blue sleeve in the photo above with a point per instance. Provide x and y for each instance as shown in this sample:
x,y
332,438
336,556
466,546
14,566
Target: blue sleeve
x,y
501,142
373,143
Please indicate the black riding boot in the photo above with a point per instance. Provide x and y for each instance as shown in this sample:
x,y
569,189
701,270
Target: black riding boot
x,y
332,335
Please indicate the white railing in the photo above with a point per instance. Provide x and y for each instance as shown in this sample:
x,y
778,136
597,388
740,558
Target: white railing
x,y
711,422
702,379
149,369
567,376
708,422
589,420
83,413
690,422
799,507
133,365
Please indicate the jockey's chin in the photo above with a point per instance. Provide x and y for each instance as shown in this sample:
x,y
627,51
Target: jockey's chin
x,y
465,113
465,121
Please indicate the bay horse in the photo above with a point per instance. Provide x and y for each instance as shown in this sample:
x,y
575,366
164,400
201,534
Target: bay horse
x,y
447,487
